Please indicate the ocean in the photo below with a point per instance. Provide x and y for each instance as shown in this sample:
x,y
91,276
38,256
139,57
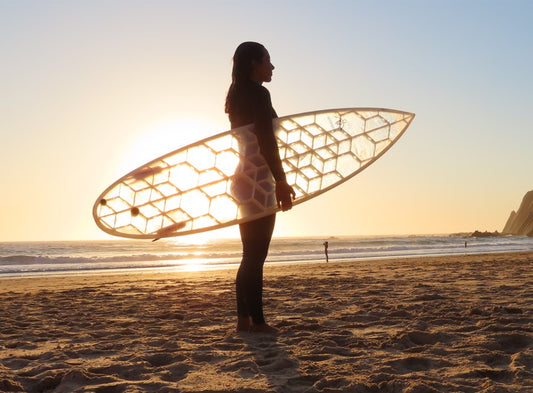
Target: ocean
x,y
25,259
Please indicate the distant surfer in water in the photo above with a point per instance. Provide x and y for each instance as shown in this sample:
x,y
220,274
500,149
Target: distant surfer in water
x,y
248,102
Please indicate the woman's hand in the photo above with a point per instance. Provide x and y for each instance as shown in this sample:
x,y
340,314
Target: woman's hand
x,y
284,195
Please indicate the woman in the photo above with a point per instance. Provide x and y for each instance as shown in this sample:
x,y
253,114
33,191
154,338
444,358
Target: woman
x,y
248,102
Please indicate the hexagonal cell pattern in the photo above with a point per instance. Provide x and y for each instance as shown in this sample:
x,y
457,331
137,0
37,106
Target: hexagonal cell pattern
x,y
224,180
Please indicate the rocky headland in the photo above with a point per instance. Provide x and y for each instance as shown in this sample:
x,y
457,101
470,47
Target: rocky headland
x,y
520,222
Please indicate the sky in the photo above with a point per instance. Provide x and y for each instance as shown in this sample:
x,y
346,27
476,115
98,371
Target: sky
x,y
91,90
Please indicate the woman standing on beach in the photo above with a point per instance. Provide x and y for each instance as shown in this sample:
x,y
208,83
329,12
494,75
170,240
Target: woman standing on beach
x,y
248,102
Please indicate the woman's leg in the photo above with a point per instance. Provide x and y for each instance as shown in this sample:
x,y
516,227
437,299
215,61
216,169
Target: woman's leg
x,y
255,236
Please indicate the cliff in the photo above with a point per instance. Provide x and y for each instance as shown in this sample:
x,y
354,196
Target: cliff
x,y
521,221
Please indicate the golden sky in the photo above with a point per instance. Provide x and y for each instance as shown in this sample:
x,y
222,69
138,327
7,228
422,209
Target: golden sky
x,y
91,90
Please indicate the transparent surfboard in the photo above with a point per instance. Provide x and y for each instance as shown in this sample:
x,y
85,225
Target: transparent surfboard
x,y
224,180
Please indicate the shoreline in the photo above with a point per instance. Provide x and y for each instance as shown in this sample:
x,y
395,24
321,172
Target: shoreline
x,y
420,324
197,265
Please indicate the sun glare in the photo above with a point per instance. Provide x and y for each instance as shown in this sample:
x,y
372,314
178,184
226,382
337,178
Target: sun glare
x,y
161,138
200,239
193,265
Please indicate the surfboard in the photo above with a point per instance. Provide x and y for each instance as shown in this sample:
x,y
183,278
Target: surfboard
x,y
224,180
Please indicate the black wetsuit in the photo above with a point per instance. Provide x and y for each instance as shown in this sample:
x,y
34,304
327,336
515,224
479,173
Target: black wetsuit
x,y
251,104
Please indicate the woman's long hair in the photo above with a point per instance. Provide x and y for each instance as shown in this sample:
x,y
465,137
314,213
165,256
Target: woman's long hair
x,y
243,59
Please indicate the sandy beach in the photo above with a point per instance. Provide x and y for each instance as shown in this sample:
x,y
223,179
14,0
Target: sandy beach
x,y
446,324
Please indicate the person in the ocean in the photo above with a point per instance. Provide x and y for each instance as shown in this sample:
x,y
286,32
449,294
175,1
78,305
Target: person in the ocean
x,y
248,102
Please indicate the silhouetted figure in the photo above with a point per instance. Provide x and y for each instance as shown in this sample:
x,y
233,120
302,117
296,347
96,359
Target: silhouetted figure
x,y
248,102
326,245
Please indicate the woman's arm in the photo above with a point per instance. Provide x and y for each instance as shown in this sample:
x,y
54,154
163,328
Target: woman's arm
x,y
269,148
263,114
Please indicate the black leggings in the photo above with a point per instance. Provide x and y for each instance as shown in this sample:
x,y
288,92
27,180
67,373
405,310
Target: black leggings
x,y
255,236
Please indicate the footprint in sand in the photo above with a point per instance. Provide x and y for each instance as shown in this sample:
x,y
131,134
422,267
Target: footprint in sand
x,y
510,343
414,363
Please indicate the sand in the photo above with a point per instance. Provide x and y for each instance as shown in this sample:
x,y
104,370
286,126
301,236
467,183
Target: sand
x,y
446,324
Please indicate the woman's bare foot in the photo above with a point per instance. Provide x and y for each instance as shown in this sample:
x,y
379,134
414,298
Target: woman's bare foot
x,y
264,328
244,324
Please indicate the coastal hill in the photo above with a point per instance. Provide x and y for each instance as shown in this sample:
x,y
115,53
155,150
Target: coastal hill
x,y
521,221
